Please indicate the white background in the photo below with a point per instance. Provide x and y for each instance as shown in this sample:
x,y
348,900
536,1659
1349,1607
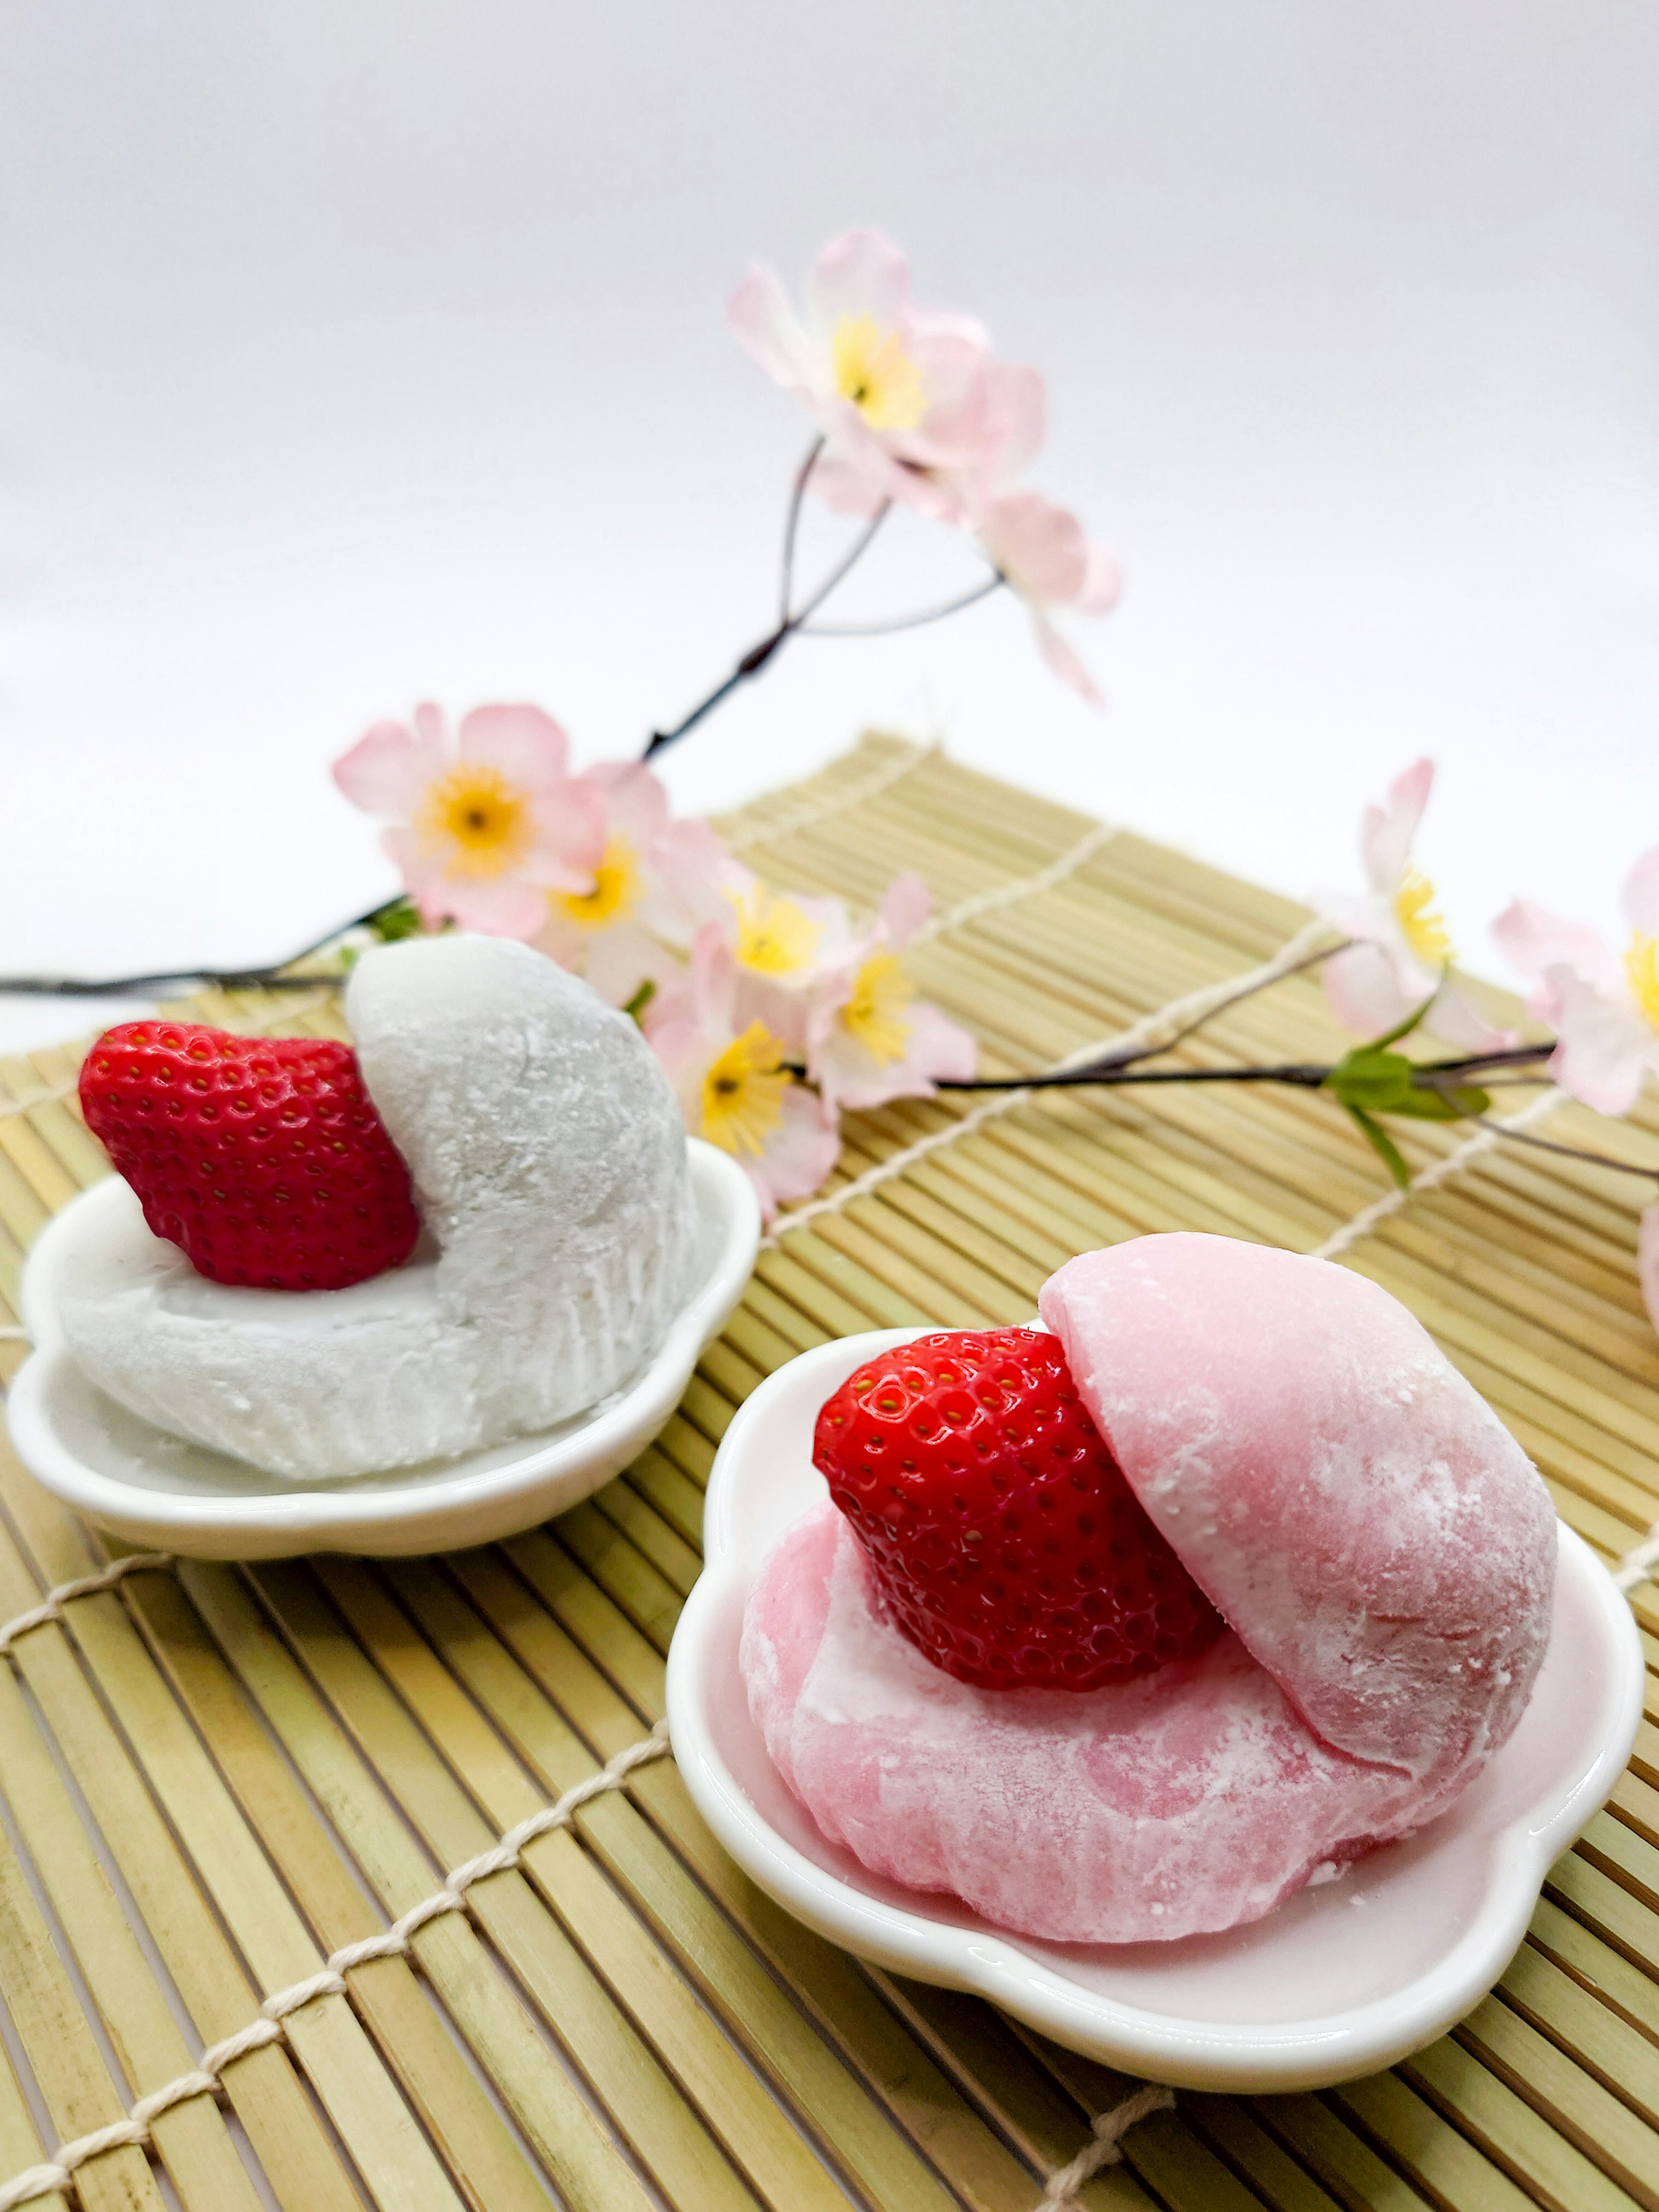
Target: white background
x,y
356,353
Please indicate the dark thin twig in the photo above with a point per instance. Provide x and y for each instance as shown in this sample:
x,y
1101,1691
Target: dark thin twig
x,y
839,572
906,622
1135,1055
1565,1151
1306,1077
274,978
792,526
757,655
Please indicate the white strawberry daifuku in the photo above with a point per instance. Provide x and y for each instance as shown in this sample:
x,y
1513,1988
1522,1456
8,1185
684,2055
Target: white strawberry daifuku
x,y
549,1165
1380,1548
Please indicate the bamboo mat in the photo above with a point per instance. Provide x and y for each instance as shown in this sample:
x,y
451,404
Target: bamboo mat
x,y
208,1781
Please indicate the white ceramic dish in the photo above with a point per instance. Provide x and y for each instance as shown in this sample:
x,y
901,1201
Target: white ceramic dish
x,y
1338,1982
155,1490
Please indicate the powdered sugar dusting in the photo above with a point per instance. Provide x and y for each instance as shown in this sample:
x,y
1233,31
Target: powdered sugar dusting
x,y
1187,1800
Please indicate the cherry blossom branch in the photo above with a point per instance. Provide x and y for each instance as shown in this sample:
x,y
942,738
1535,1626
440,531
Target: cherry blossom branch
x,y
792,526
1440,1075
992,583
385,918
1565,1152
759,655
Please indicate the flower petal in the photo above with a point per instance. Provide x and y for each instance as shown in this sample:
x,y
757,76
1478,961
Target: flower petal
x,y
636,805
907,904
1453,1018
527,746
862,272
1358,914
1640,895
1605,1045
801,1151
1534,940
619,960
386,771
1066,664
1387,831
1039,547
506,908
570,836
1016,421
769,331
1365,991
938,1049
1102,579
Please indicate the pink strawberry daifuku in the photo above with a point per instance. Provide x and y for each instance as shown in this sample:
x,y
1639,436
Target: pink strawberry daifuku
x,y
1380,1548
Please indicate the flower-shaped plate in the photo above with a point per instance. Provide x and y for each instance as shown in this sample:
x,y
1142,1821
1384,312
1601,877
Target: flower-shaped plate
x,y
157,1490
1338,1982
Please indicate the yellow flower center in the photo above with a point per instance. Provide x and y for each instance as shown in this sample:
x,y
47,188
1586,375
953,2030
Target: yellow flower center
x,y
486,821
775,938
875,372
617,884
874,1012
742,1093
1642,973
1423,929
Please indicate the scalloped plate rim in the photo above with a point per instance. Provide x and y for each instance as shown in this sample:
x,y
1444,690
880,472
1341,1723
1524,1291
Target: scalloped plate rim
x,y
440,1508
1189,2053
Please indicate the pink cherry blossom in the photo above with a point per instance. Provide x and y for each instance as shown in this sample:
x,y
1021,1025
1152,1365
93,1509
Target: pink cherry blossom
x,y
781,945
1041,551
482,823
869,1038
898,391
1401,945
734,1091
1603,1008
635,924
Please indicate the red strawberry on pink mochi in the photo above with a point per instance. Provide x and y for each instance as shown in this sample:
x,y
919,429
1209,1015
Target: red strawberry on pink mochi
x,y
1285,1444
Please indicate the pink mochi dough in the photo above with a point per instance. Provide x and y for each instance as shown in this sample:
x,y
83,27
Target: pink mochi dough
x,y
1382,1549
1173,1804
1349,1504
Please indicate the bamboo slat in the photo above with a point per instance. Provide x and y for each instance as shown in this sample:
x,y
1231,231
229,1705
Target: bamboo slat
x,y
212,1780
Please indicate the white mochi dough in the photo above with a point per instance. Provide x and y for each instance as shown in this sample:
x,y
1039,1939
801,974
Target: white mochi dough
x,y
549,1166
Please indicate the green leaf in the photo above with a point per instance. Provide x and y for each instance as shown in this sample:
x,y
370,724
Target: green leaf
x,y
641,999
1383,1144
400,918
1370,1078
1426,1104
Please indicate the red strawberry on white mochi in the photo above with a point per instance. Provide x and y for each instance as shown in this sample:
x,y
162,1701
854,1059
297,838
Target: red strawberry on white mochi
x,y
549,1169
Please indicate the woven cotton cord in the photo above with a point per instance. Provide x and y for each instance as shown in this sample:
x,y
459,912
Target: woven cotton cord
x,y
1106,2147
205,2078
1145,1032
821,810
1472,1149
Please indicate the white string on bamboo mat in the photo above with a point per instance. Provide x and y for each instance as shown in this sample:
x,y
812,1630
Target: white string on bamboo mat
x,y
1191,1007
1107,2130
1069,862
1472,1149
205,2078
1638,1564
296,1007
820,810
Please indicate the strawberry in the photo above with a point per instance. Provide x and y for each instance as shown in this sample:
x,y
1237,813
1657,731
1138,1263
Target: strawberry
x,y
264,1161
1005,1541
